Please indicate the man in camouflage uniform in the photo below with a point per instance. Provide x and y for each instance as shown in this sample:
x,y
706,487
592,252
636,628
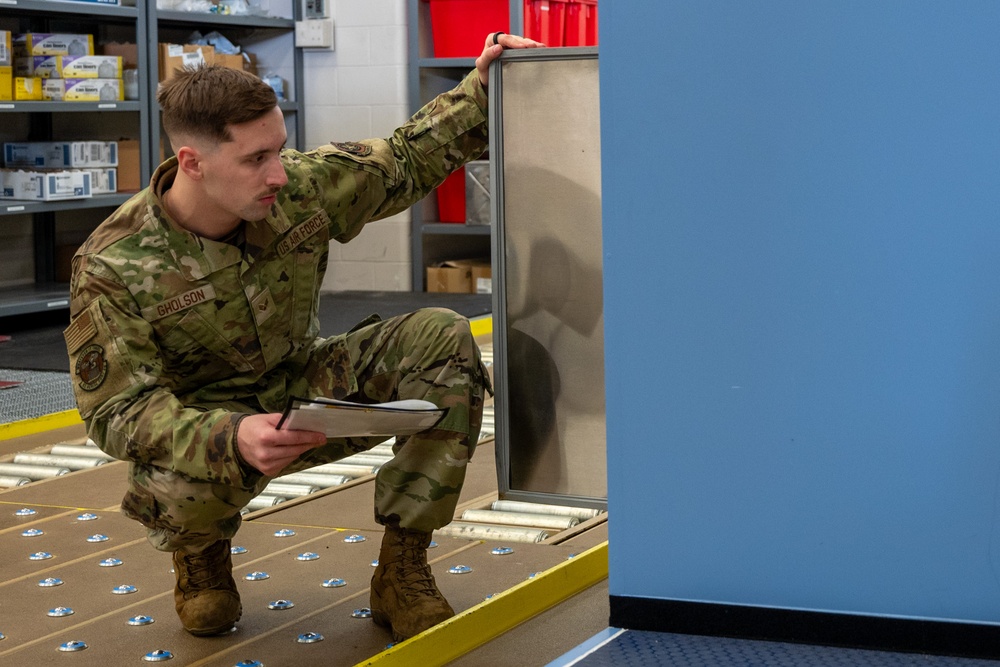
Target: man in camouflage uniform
x,y
195,317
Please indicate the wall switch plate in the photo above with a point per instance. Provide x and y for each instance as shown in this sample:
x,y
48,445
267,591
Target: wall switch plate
x,y
314,34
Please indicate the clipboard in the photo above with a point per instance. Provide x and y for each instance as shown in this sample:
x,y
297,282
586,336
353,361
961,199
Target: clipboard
x,y
344,419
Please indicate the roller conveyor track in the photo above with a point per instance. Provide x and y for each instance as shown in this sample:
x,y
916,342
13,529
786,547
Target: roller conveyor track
x,y
321,521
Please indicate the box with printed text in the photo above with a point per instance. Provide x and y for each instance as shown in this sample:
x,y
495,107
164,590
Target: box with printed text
x,y
175,57
103,181
27,88
6,49
83,90
46,185
52,44
60,154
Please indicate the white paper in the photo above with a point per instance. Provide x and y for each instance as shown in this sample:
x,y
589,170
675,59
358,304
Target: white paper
x,y
342,419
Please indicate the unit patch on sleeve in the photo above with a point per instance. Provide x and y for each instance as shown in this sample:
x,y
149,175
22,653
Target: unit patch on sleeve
x,y
91,367
354,148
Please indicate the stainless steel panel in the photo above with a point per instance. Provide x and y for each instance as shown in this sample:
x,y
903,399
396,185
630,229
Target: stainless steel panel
x,y
548,307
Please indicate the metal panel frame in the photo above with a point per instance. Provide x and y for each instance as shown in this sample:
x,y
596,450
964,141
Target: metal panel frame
x,y
500,322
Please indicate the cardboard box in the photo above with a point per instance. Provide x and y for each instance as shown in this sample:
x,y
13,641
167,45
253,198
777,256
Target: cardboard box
x,y
44,67
6,49
69,67
103,181
60,154
46,185
129,166
83,90
175,57
52,44
27,88
89,67
128,52
6,83
478,206
469,276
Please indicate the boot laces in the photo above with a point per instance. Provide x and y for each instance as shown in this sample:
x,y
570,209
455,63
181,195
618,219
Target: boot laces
x,y
206,570
414,572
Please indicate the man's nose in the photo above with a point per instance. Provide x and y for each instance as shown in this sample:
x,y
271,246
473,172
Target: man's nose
x,y
276,176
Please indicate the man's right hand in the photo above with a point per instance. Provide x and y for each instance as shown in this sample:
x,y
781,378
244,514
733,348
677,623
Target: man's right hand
x,y
269,450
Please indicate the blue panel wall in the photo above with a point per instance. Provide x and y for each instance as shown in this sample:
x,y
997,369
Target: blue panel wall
x,y
802,292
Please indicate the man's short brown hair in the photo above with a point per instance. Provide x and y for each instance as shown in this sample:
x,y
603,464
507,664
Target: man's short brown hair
x,y
202,102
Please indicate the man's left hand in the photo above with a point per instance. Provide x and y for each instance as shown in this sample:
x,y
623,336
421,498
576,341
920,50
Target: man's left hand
x,y
492,51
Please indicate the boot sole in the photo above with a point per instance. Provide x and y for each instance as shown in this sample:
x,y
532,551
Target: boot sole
x,y
218,630
381,619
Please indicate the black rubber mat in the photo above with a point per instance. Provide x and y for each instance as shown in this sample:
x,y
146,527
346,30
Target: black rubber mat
x,y
631,648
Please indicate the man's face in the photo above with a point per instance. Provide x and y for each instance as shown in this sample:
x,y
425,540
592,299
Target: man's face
x,y
242,177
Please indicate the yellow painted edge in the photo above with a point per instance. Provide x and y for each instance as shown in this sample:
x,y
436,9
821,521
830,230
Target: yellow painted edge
x,y
480,624
38,424
481,326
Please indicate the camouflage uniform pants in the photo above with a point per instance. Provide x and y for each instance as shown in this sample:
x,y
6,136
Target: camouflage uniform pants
x,y
429,354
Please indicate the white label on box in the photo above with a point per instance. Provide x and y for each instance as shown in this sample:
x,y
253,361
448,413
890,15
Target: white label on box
x,y
484,286
5,50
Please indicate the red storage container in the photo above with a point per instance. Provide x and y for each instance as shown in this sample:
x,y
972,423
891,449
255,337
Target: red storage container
x,y
460,27
451,197
545,21
581,23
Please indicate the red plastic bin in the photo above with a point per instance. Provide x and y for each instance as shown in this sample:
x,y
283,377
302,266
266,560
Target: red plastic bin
x,y
581,23
451,197
545,21
460,27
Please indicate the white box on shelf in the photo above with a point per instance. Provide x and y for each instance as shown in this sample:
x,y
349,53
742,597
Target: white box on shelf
x,y
103,181
44,67
46,185
83,90
61,154
90,67
52,44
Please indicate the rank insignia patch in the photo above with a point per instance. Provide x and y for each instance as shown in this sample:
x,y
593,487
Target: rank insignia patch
x,y
354,148
91,367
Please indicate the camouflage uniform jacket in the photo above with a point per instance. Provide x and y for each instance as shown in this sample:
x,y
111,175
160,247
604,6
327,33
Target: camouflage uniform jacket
x,y
171,334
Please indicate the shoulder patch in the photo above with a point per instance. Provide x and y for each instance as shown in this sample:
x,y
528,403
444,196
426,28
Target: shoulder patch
x,y
80,331
354,148
91,367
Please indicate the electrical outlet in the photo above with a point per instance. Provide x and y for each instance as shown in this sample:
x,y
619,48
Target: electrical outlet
x,y
314,9
314,34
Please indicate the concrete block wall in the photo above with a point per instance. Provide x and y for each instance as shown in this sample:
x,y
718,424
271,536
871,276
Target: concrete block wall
x,y
358,91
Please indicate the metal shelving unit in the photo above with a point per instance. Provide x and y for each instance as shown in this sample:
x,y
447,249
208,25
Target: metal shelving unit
x,y
46,16
430,240
273,34
146,26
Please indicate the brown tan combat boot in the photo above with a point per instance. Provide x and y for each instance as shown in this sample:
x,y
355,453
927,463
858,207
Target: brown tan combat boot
x,y
205,596
405,598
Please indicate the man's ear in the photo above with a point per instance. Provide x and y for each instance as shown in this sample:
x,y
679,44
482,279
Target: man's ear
x,y
189,161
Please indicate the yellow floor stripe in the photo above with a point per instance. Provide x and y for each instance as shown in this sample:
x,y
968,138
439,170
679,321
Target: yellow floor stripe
x,y
39,424
490,619
481,326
